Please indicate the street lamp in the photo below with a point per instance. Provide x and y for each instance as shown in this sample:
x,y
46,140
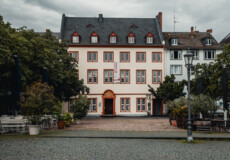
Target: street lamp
x,y
188,57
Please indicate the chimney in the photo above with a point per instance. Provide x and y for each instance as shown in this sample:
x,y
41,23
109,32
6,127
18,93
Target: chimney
x,y
209,31
100,19
160,19
192,31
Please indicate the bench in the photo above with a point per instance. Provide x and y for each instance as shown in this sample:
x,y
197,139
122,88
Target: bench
x,y
203,126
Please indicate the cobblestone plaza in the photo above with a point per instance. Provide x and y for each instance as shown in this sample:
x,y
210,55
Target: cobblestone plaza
x,y
32,148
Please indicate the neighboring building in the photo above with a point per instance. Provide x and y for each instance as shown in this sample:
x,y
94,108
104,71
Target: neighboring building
x,y
117,58
55,34
226,40
202,44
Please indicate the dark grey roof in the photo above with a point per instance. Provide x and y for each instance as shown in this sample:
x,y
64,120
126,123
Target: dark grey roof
x,y
226,40
121,26
185,40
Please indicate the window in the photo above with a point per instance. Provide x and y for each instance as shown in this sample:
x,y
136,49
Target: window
x,y
131,38
92,76
149,38
141,104
176,69
108,56
195,54
140,57
156,57
92,57
113,38
74,55
93,105
125,76
94,37
209,54
125,104
208,41
175,54
157,74
141,76
108,76
174,41
75,37
124,57
71,102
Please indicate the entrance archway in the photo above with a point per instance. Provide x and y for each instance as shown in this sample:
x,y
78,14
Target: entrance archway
x,y
108,98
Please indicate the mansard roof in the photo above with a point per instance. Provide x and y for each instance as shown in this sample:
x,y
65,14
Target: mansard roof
x,y
186,40
105,26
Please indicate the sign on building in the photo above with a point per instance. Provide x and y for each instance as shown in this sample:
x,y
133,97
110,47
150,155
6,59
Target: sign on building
x,y
116,72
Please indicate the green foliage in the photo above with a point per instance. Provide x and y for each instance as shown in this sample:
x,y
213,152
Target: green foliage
x,y
38,100
178,107
203,104
211,75
34,52
61,117
169,89
68,117
81,106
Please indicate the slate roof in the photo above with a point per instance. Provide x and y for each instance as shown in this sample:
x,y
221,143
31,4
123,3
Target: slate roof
x,y
121,26
226,40
185,40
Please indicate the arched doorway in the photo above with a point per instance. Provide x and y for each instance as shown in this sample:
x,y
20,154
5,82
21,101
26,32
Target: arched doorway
x,y
108,103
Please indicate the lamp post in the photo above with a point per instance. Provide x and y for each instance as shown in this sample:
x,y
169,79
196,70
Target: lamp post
x,y
188,57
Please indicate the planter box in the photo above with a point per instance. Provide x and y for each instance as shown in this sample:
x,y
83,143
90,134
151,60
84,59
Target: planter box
x,y
34,129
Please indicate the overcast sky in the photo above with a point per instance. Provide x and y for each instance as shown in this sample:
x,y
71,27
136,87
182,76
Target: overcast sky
x,y
42,14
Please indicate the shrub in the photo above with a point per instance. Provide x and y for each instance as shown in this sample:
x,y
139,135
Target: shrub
x,y
81,106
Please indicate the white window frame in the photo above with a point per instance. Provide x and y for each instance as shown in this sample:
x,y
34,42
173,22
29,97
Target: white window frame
x,y
206,54
172,69
195,54
94,39
174,41
208,41
92,76
125,107
149,40
131,39
172,55
75,39
113,39
141,105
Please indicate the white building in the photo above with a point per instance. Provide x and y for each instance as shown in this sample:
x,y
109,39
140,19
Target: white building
x,y
202,44
117,58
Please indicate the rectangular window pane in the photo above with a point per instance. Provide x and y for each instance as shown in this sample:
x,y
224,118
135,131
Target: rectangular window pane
x,y
159,76
106,76
106,56
138,76
154,76
127,76
143,57
94,56
110,57
76,56
143,104
159,57
89,76
122,76
138,104
95,76
127,104
89,56
122,104
71,54
94,105
127,57
143,76
110,76
122,57
138,57
154,57
90,107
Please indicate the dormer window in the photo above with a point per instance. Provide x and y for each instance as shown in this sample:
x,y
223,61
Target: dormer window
x,y
208,41
149,38
94,37
75,37
174,41
131,38
113,38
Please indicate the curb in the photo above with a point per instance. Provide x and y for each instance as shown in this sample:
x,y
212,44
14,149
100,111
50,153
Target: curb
x,y
168,138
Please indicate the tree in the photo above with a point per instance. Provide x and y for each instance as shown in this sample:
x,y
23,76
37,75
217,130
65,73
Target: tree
x,y
38,100
169,89
203,104
80,107
34,52
211,75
